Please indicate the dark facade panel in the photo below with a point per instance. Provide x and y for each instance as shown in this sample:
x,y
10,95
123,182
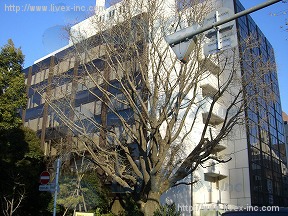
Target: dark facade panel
x,y
265,129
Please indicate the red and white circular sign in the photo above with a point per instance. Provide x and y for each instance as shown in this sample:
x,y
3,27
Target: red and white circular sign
x,y
45,177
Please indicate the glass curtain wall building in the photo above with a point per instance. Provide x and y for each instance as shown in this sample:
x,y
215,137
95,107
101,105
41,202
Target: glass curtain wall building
x,y
265,133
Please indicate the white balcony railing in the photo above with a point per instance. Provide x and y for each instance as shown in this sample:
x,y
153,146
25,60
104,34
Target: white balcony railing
x,y
215,171
209,65
209,85
211,133
217,115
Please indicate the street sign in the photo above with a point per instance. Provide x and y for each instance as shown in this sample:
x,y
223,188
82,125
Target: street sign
x,y
222,13
49,187
44,187
44,177
183,49
221,37
225,43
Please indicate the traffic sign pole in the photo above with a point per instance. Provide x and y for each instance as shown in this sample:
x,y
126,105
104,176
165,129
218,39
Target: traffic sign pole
x,y
192,34
56,186
221,37
217,31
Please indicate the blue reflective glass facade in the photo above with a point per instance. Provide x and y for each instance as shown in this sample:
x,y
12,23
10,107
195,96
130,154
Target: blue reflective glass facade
x,y
265,132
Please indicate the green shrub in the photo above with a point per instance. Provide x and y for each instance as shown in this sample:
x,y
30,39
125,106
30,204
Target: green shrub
x,y
167,210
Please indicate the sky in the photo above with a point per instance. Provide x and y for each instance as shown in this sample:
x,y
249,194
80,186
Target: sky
x,y
40,32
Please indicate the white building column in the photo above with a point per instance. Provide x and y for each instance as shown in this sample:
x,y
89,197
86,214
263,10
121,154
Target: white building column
x,y
100,5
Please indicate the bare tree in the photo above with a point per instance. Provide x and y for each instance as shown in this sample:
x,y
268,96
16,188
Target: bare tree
x,y
142,117
283,12
12,202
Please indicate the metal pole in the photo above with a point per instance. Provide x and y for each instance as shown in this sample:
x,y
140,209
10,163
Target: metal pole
x,y
192,206
56,186
235,16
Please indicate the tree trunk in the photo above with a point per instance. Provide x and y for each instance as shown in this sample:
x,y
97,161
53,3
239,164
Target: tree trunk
x,y
152,204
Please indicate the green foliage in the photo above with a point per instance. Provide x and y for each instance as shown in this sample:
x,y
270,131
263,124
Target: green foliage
x,y
167,210
68,196
90,192
98,213
96,187
12,86
21,162
130,206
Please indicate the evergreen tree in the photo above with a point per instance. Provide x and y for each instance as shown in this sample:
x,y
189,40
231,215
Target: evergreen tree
x,y
12,86
21,159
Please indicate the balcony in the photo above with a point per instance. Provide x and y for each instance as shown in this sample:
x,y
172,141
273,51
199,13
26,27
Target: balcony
x,y
217,115
212,131
215,171
209,85
209,65
220,147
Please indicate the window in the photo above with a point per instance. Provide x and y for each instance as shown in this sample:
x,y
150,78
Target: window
x,y
111,14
